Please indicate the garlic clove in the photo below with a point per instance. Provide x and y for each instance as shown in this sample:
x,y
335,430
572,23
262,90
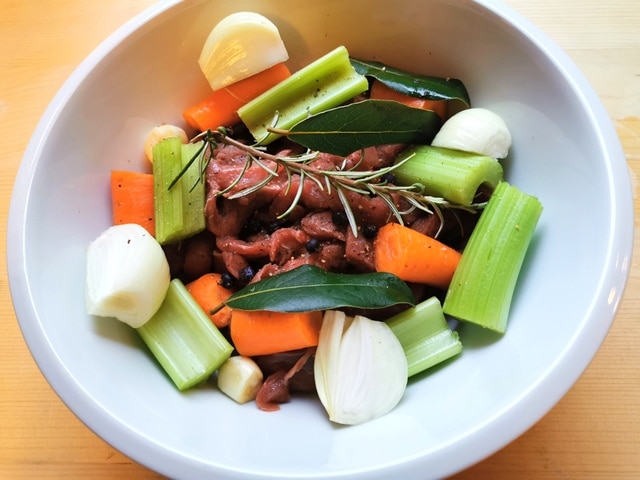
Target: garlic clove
x,y
127,275
159,133
239,46
475,130
240,378
360,368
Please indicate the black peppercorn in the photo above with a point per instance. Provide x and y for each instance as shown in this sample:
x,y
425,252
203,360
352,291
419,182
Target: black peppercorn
x,y
340,218
227,280
388,178
272,226
313,245
370,231
246,274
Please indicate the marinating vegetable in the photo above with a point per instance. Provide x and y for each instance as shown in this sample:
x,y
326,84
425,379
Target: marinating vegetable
x,y
127,275
220,107
360,368
240,378
183,339
262,332
451,174
159,133
325,83
475,130
132,199
414,257
209,292
240,45
482,286
381,91
179,206
425,335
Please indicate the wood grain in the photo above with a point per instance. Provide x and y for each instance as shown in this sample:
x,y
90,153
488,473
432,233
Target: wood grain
x,y
593,433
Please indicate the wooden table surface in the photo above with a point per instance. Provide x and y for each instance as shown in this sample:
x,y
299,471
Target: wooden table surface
x,y
594,432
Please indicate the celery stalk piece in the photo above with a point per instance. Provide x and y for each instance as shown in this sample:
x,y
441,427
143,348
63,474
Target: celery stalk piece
x,y
482,287
325,83
425,335
451,174
179,210
184,340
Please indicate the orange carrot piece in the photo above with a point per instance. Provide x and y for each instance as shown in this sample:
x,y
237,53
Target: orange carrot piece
x,y
262,333
413,256
132,199
209,294
379,91
220,108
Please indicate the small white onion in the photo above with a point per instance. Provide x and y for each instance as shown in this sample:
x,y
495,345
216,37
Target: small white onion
x,y
127,275
159,133
475,130
239,46
360,368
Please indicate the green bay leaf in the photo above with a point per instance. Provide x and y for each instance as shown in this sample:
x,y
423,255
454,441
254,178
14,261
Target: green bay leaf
x,y
421,86
309,288
345,129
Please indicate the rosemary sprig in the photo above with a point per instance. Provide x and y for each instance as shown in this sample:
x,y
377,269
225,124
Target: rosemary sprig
x,y
341,180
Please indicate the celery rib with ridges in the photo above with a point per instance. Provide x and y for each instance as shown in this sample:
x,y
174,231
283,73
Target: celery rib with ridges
x,y
179,206
451,174
425,335
184,340
482,287
325,83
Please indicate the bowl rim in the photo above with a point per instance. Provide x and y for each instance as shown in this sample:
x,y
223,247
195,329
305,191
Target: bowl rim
x,y
484,441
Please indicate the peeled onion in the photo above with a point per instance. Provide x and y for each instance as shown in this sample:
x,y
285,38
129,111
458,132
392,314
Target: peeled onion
x,y
360,368
239,46
127,275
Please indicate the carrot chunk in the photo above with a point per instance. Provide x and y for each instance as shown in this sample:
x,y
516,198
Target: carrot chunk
x,y
413,256
262,333
208,292
132,199
220,108
379,91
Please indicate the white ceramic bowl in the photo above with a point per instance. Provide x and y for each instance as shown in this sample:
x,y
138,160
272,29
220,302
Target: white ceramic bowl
x,y
565,151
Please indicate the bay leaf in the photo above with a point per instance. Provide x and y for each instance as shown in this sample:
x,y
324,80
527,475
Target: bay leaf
x,y
345,129
421,86
309,288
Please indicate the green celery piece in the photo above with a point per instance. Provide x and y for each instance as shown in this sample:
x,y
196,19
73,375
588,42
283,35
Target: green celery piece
x,y
325,83
482,287
184,340
451,174
425,335
178,208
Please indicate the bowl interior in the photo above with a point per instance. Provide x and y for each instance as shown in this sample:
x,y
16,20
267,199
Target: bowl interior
x,y
564,153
